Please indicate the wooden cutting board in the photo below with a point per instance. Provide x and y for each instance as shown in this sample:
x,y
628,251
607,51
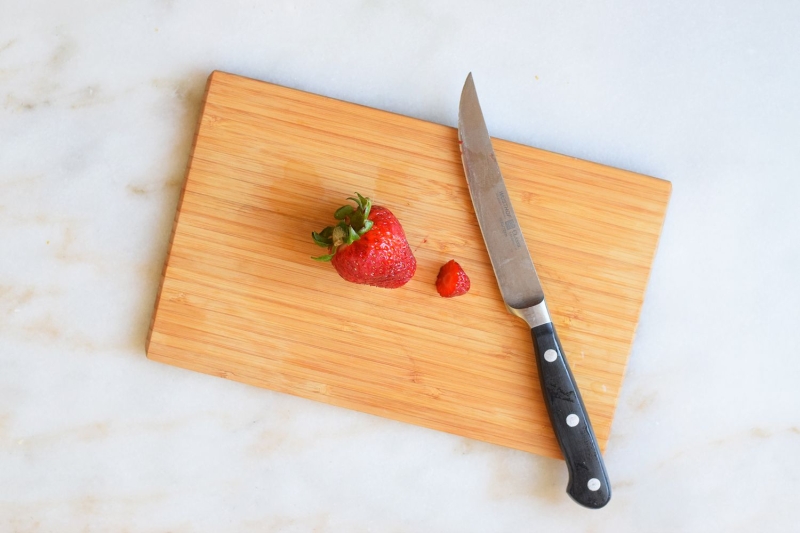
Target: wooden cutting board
x,y
241,298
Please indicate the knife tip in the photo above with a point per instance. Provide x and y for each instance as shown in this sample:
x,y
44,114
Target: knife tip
x,y
469,85
467,93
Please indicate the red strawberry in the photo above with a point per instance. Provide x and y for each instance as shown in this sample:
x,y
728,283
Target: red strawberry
x,y
368,246
452,280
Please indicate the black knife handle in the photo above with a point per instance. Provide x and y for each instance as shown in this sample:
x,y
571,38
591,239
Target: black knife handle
x,y
588,480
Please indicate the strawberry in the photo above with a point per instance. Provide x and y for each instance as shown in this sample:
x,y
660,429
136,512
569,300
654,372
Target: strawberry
x,y
367,246
452,280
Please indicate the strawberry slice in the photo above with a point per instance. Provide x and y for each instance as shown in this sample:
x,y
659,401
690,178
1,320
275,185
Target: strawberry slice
x,y
452,280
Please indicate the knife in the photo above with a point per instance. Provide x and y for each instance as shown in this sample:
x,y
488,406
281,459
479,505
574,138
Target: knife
x,y
523,295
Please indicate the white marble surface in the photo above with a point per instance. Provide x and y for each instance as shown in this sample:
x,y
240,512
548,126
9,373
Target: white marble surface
x,y
97,107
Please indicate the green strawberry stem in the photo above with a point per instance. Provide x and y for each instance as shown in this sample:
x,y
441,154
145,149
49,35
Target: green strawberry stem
x,y
353,223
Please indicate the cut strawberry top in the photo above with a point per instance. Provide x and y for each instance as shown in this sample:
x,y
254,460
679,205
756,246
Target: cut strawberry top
x,y
452,280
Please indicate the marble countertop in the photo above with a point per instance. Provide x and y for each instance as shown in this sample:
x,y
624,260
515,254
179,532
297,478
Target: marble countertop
x,y
98,102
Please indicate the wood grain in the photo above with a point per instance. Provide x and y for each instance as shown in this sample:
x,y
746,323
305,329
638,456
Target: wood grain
x,y
241,298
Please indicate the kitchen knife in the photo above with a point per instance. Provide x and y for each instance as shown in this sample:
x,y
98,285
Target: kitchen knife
x,y
523,295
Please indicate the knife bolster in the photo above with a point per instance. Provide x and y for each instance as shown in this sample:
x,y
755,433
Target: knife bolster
x,y
535,315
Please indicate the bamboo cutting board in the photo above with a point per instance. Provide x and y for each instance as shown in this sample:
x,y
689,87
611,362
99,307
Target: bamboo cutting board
x,y
241,298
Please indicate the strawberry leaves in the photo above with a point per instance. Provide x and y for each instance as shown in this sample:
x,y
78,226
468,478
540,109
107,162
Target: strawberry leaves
x,y
324,237
353,223
343,212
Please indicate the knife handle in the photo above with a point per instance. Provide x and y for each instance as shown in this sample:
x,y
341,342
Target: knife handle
x,y
588,481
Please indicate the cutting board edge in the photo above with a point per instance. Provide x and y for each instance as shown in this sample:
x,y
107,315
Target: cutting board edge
x,y
544,451
176,217
668,192
222,74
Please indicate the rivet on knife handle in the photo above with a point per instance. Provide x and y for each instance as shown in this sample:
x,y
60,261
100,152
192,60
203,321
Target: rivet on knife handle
x,y
523,295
